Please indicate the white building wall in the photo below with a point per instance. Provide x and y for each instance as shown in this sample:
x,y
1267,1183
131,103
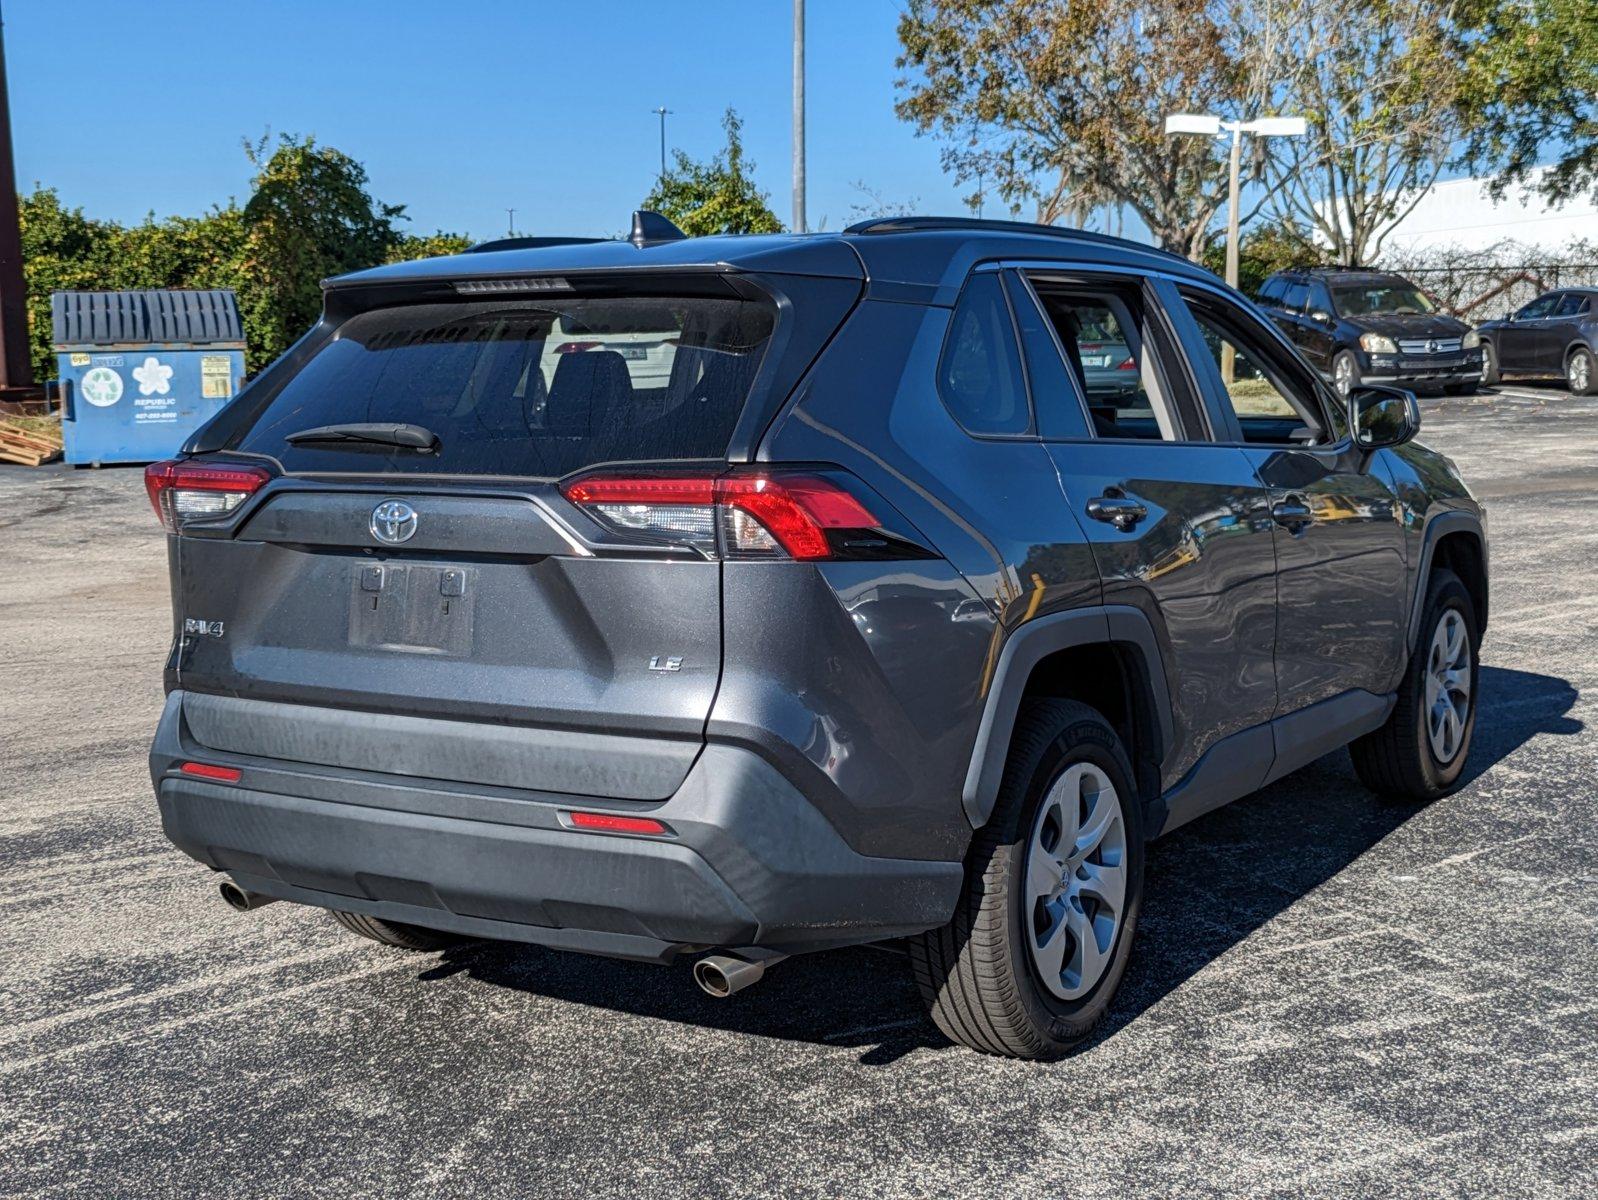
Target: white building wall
x,y
1459,213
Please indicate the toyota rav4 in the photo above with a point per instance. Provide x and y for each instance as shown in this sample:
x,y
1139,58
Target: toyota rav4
x,y
723,599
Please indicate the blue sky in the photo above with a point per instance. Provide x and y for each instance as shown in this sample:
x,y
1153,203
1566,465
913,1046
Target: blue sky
x,y
458,110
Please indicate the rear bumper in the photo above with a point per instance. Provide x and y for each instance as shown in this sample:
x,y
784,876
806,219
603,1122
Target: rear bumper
x,y
750,863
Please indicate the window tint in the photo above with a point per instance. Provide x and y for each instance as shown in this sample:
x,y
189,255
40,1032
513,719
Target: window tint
x,y
979,376
1320,299
1055,399
1100,336
525,389
1273,289
1297,294
1539,307
1270,399
1573,305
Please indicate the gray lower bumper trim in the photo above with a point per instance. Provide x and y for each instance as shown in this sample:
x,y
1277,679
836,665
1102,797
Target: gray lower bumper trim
x,y
752,862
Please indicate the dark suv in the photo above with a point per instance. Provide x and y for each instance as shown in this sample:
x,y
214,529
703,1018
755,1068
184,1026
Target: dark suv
x,y
1556,334
1370,327
857,616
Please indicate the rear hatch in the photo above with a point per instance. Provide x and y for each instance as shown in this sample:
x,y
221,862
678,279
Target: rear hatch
x,y
440,608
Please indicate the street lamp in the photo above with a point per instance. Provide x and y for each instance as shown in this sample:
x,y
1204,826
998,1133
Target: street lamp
x,y
1205,125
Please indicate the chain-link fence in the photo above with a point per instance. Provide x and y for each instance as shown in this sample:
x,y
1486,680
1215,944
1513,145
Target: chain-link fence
x,y
1480,285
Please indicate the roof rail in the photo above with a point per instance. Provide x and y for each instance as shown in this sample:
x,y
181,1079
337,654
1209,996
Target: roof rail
x,y
529,243
881,225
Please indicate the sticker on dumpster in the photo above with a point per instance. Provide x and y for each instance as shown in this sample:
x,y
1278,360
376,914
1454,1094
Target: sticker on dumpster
x,y
216,376
102,387
155,378
80,360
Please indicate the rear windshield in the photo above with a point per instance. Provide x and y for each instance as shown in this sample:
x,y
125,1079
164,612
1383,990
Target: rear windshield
x,y
525,388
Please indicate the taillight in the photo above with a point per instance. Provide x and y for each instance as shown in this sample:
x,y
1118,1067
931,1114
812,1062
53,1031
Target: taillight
x,y
181,491
742,514
1129,364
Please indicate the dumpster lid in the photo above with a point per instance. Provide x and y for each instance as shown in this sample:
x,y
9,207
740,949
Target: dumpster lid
x,y
119,318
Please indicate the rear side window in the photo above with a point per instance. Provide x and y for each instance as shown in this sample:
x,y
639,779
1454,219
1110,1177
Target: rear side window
x,y
523,388
1273,289
1295,297
979,376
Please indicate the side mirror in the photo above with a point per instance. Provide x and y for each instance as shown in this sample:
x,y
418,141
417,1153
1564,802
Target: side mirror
x,y
1382,416
1321,317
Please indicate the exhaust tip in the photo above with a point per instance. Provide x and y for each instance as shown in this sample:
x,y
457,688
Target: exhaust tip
x,y
240,900
720,975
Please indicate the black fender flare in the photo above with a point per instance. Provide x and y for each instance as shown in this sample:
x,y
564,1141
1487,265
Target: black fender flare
x,y
1452,520
1030,644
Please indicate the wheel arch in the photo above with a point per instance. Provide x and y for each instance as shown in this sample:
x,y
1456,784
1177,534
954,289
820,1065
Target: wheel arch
x,y
1106,657
1453,539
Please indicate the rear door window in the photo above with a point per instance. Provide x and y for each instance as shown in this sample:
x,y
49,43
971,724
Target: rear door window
x,y
537,389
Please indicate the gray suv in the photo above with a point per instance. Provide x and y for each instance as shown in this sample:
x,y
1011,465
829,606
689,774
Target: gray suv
x,y
723,599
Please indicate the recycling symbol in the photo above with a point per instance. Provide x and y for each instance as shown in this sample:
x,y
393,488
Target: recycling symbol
x,y
102,387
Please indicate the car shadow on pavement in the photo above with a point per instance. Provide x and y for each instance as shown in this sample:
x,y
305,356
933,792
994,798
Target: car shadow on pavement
x,y
1209,885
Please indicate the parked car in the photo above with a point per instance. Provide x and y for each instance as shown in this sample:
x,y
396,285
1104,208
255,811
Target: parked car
x,y
1372,327
867,622
1555,335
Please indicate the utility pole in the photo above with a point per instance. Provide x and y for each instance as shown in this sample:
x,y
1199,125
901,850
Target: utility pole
x,y
1206,125
662,112
16,366
799,116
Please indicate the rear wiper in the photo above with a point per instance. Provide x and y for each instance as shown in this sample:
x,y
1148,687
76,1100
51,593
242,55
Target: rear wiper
x,y
409,437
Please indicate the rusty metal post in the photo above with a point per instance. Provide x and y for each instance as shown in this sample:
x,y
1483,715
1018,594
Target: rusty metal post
x,y
16,366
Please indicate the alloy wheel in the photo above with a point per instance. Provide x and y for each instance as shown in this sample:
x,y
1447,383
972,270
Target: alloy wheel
x,y
1343,375
1578,371
1448,687
1076,881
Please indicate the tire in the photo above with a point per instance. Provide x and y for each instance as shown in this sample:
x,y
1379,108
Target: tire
x,y
1581,372
980,975
395,933
1489,364
1345,372
1402,760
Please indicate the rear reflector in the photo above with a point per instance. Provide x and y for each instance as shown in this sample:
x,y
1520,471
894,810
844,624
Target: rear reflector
x,y
182,491
611,823
207,771
739,514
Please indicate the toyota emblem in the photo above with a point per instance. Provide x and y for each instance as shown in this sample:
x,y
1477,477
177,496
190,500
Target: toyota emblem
x,y
393,521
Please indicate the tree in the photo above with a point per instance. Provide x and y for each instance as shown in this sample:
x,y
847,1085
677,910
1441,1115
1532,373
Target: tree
x,y
1061,103
62,250
1531,87
716,196
1264,250
411,246
1379,81
309,217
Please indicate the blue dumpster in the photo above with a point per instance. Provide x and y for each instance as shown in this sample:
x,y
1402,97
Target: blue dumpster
x,y
141,371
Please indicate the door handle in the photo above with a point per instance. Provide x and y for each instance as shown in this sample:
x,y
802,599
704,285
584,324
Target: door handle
x,y
1121,511
1292,513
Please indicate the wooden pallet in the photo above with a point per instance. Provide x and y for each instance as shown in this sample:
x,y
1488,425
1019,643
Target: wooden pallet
x,y
28,446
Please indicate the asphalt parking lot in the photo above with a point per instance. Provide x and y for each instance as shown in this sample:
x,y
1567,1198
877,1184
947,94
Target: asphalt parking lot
x,y
1330,996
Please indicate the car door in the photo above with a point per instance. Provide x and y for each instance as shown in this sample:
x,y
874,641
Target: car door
x,y
1317,337
1341,597
1519,341
1179,526
1559,329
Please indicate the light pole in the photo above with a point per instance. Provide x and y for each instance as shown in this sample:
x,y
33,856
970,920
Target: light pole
x,y
799,116
1205,125
662,112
